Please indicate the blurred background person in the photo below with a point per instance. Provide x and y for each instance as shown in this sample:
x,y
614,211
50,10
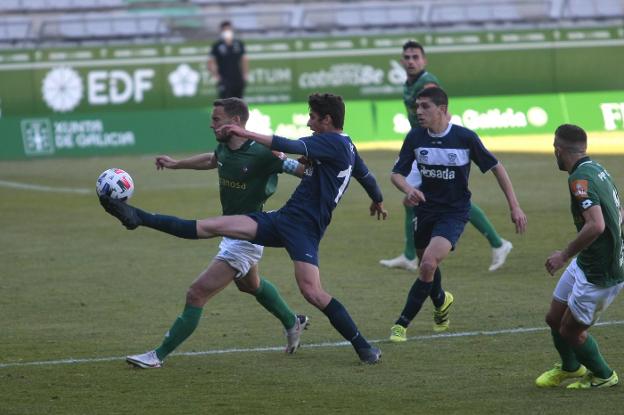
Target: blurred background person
x,y
228,63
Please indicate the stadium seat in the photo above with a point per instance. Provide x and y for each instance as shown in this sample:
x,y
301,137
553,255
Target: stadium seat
x,y
15,29
575,9
82,20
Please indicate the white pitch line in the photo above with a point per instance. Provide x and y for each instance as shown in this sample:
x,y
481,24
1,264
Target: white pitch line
x,y
519,330
41,188
85,191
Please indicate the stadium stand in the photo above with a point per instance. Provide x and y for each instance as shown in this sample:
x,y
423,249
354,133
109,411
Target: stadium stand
x,y
582,9
28,22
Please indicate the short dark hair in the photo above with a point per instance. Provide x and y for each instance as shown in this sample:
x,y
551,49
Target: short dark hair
x,y
225,23
328,104
571,137
233,107
435,94
412,44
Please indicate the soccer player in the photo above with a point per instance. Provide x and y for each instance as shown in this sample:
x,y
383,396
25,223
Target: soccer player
x,y
414,62
247,178
300,224
596,273
443,152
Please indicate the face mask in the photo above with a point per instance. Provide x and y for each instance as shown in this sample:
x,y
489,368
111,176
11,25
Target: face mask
x,y
227,35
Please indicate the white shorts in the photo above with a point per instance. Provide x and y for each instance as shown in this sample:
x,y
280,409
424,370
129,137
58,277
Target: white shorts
x,y
585,300
240,255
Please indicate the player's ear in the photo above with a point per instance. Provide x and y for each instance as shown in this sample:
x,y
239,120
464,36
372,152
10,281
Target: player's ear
x,y
327,120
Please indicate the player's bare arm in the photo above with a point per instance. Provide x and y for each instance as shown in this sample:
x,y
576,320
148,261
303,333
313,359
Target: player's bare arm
x,y
413,196
517,215
205,161
237,130
593,227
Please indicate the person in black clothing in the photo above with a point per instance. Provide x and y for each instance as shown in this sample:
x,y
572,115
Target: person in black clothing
x,y
228,63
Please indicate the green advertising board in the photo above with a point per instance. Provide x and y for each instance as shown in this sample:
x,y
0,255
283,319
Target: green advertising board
x,y
500,82
92,134
370,123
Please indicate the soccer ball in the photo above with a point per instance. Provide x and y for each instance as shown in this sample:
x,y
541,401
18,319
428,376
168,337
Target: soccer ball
x,y
115,183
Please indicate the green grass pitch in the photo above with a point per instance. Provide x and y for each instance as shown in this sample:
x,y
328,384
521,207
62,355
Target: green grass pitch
x,y
74,284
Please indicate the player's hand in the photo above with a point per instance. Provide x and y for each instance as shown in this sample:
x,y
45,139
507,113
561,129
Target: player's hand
x,y
414,197
555,261
519,219
377,208
279,155
165,162
231,129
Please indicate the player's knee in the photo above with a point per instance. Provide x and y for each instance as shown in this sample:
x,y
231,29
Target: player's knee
x,y
428,267
196,296
313,295
246,288
552,322
572,337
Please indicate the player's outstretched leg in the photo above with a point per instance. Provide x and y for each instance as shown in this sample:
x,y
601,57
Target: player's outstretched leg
x,y
132,217
126,213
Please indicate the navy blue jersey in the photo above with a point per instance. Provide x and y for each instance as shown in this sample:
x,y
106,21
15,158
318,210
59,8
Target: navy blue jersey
x,y
444,164
333,160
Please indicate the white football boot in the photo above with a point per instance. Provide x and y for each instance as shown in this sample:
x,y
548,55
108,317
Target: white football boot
x,y
147,360
499,255
293,335
401,262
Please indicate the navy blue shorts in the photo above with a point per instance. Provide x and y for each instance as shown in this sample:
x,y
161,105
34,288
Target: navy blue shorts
x,y
430,224
278,230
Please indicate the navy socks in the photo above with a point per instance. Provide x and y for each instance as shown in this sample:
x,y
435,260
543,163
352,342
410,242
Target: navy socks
x,y
172,225
341,320
415,298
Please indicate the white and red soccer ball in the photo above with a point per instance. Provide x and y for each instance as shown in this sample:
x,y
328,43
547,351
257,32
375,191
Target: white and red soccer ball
x,y
115,183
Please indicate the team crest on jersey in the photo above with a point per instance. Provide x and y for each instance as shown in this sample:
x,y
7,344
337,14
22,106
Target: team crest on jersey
x,y
579,188
452,157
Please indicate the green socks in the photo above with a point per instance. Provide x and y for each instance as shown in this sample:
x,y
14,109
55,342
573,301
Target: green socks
x,y
569,362
183,327
483,225
410,249
589,355
269,297
187,322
